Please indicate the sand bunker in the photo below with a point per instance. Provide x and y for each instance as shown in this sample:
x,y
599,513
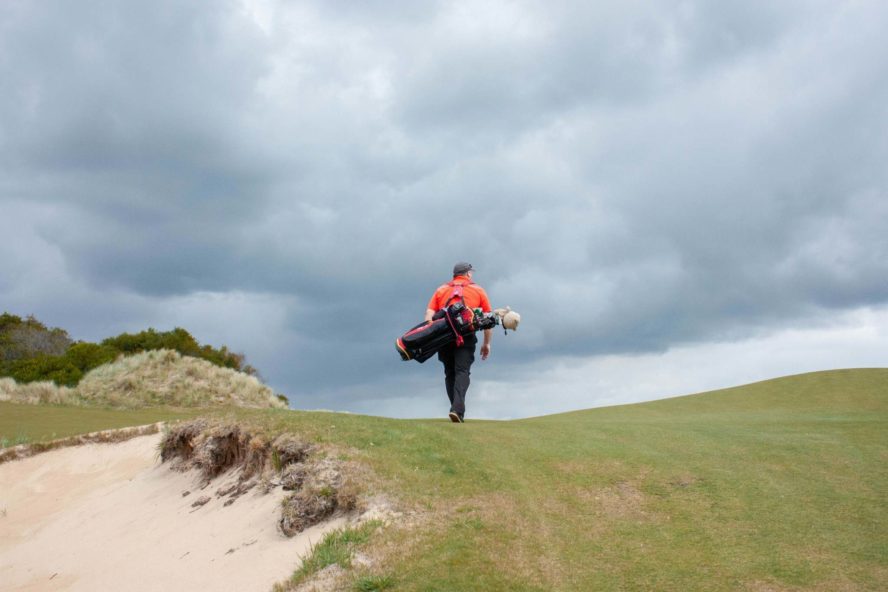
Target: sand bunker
x,y
111,517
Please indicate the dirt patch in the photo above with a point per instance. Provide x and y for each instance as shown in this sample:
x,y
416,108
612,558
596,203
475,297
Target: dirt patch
x,y
832,585
621,500
587,466
684,481
329,579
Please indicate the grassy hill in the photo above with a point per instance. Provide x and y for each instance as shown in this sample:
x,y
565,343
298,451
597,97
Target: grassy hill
x,y
148,379
775,486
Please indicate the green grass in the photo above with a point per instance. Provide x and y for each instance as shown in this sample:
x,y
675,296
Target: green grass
x,y
336,548
19,439
374,583
780,485
21,424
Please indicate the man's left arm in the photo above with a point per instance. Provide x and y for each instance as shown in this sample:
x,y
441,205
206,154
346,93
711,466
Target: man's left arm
x,y
488,333
485,347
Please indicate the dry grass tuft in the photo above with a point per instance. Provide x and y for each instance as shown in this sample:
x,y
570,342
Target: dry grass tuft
x,y
321,486
159,377
211,448
34,393
177,441
288,449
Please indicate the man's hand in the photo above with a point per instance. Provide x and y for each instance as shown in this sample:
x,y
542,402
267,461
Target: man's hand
x,y
485,351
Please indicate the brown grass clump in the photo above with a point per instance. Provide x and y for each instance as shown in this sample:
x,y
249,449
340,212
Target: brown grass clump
x,y
321,486
288,449
177,442
211,448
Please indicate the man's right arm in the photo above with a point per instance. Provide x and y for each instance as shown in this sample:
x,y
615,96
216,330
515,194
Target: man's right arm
x,y
432,306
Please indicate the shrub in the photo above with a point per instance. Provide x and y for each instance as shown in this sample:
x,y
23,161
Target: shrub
x,y
23,338
58,369
86,356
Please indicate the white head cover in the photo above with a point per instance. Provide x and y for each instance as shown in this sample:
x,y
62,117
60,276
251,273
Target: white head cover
x,y
511,320
508,318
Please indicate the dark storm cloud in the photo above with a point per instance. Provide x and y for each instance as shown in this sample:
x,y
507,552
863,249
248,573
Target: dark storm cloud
x,y
630,176
131,116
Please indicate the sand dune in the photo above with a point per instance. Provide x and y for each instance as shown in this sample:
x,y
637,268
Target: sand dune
x,y
111,517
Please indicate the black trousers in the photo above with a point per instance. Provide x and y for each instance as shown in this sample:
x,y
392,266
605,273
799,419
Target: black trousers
x,y
457,369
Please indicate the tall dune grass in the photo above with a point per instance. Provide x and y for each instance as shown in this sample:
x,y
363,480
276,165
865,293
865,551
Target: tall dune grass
x,y
34,393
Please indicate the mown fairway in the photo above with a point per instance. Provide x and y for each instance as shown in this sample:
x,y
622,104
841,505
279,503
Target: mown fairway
x,y
779,485
25,424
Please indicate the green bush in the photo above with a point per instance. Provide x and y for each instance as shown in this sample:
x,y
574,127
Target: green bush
x,y
178,339
86,356
55,368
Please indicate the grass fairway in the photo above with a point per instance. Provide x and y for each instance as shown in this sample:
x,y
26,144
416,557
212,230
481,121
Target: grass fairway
x,y
775,486
27,424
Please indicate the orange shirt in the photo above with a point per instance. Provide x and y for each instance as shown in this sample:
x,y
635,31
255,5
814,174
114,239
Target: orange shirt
x,y
473,294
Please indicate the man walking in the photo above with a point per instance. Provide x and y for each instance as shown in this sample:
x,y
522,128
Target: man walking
x,y
458,360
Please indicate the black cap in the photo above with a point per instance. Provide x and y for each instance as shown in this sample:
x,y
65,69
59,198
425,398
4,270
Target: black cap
x,y
462,268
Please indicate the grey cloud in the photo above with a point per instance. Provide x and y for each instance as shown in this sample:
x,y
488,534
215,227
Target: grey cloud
x,y
629,177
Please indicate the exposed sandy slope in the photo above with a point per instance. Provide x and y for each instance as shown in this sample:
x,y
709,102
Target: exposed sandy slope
x,y
110,517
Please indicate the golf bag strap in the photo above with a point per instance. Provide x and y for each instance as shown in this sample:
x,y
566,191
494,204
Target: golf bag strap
x,y
456,292
459,337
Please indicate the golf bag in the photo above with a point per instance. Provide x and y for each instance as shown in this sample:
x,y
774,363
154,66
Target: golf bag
x,y
449,325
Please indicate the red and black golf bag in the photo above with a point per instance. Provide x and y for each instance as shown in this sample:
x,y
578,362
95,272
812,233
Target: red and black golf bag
x,y
449,325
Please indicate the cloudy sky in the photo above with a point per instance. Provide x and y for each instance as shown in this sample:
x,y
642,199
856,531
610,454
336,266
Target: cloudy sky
x,y
675,195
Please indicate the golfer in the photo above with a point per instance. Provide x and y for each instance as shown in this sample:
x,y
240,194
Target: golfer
x,y
458,360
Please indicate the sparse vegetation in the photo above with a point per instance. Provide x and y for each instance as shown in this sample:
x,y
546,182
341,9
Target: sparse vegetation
x,y
336,548
17,441
374,583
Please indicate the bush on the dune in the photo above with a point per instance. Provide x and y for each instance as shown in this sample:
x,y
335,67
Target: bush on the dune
x,y
30,351
181,341
86,356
